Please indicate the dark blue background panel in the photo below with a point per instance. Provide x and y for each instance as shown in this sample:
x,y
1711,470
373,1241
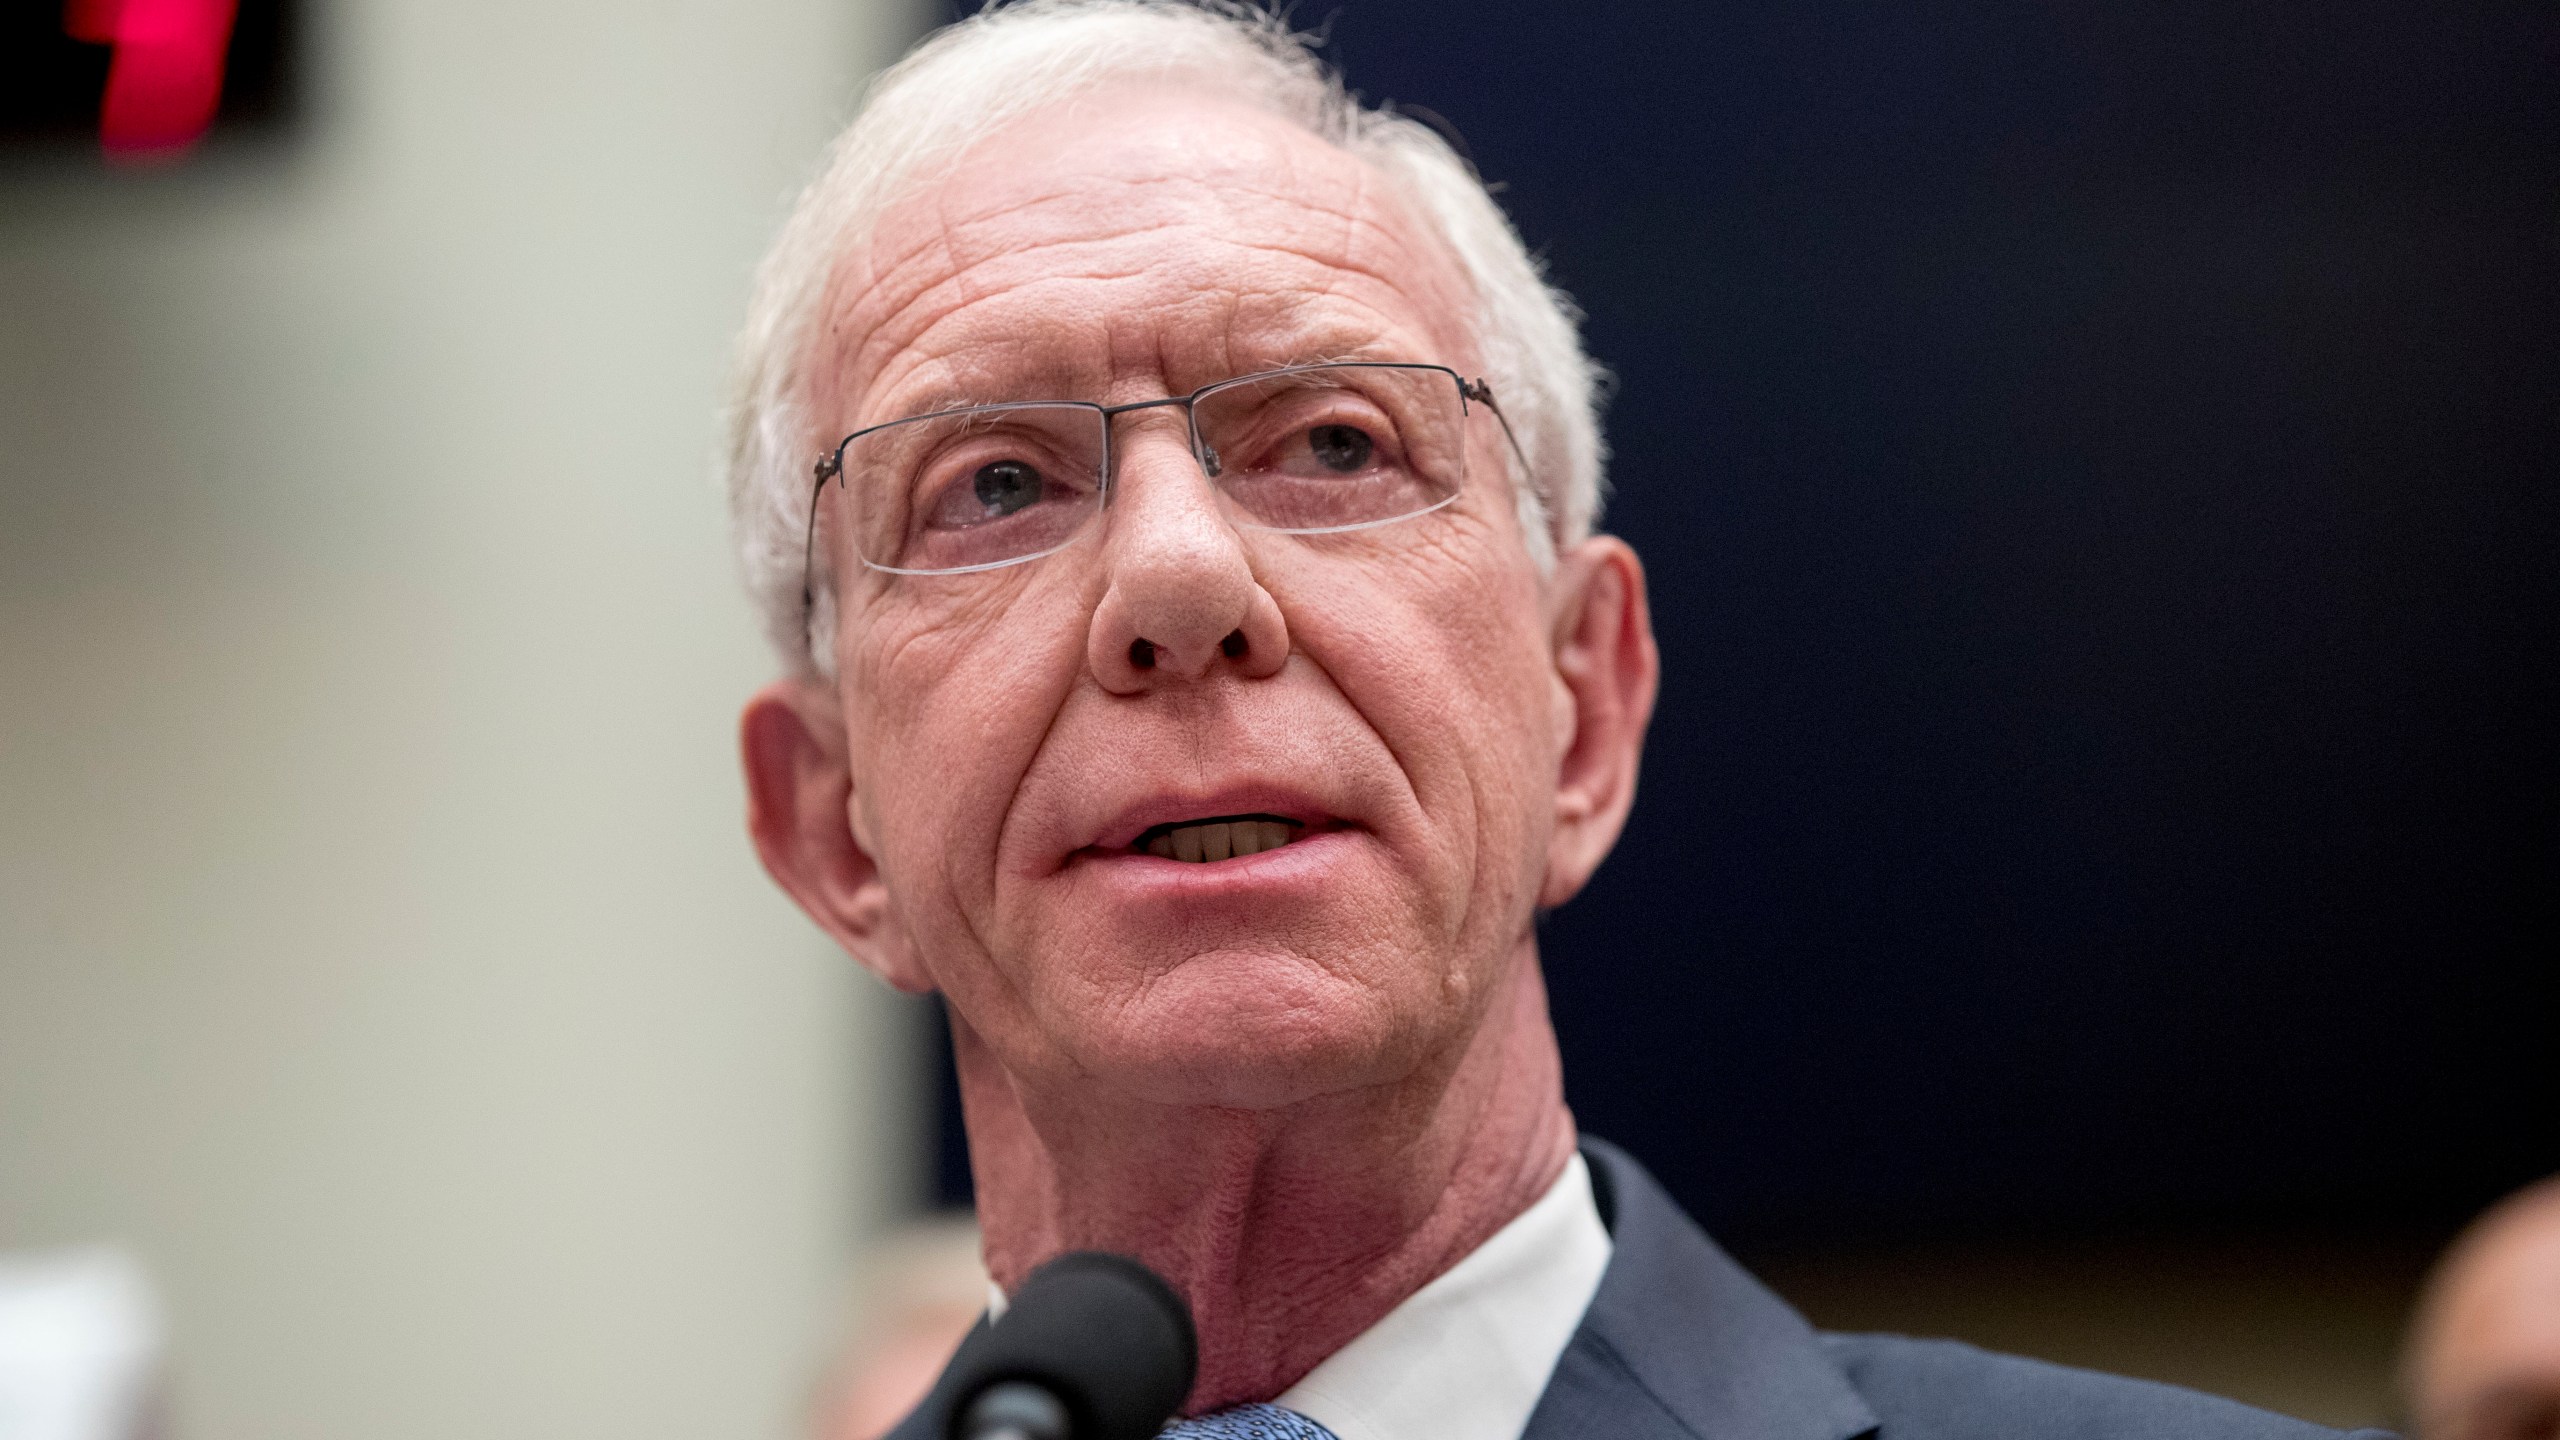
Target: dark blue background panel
x,y
2095,468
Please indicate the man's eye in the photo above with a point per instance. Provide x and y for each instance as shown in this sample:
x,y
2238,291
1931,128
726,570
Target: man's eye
x,y
1004,486
994,491
1342,449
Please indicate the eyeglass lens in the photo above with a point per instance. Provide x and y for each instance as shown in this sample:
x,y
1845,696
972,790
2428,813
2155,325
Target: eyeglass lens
x,y
1315,449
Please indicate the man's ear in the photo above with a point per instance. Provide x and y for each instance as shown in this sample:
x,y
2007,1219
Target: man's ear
x,y
1605,658
799,812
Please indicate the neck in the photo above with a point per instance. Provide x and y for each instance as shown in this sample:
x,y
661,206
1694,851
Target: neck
x,y
1291,1230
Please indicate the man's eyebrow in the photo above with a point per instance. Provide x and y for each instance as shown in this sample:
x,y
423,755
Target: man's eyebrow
x,y
982,373
937,401
1244,358
940,400
1252,358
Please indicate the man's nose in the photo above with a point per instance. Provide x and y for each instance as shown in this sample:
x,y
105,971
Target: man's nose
x,y
1180,600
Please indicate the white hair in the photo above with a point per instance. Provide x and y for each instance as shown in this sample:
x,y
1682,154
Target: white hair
x,y
969,80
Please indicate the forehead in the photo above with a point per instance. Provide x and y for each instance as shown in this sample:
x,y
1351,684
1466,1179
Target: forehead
x,y
1131,243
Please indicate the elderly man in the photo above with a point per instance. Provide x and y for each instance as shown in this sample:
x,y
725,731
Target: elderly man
x,y
1172,487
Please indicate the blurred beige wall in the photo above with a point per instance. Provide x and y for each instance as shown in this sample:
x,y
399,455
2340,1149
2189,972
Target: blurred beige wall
x,y
381,958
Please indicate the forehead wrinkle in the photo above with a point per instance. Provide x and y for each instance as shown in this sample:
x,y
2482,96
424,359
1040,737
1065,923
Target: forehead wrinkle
x,y
1363,226
892,358
1221,190
1373,238
979,277
828,383
952,333
1265,328
1311,272
885,339
1218,196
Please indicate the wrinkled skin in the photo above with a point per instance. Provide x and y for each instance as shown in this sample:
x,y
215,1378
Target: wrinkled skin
x,y
1302,1084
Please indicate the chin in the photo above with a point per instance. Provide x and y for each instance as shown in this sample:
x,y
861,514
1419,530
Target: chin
x,y
1253,1030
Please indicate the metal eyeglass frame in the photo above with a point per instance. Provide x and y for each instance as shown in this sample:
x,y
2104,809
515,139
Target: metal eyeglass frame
x,y
830,466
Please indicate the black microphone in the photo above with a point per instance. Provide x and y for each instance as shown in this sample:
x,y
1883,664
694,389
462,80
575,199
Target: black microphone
x,y
1092,1347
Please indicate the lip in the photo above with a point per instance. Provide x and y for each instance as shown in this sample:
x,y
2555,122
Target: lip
x,y
1122,830
1309,868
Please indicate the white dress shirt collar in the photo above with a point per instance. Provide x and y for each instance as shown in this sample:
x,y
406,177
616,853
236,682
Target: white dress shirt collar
x,y
1466,1356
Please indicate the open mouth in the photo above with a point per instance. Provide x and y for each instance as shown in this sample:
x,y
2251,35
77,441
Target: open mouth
x,y
1222,837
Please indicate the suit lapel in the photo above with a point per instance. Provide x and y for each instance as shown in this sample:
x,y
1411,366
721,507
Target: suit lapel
x,y
1681,1343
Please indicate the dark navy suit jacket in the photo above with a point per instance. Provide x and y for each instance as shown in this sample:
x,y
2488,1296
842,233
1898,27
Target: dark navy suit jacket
x,y
1680,1343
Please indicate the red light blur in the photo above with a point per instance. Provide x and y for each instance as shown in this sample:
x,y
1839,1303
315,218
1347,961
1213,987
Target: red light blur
x,y
165,79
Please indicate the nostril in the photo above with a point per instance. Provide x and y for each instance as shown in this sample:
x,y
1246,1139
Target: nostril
x,y
1235,644
1142,653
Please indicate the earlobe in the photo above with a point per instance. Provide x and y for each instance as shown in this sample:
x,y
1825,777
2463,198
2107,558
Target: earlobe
x,y
799,813
1608,669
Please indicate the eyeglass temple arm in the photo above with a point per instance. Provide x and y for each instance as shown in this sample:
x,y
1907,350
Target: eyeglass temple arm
x,y
1482,393
829,466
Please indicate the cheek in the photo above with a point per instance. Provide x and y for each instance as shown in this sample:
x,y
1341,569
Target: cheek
x,y
1440,648
954,699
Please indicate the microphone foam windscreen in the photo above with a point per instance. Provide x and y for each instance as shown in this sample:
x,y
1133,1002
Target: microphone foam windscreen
x,y
1103,1333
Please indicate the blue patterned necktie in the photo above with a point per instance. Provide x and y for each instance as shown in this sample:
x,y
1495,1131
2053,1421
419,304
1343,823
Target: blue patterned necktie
x,y
1248,1422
